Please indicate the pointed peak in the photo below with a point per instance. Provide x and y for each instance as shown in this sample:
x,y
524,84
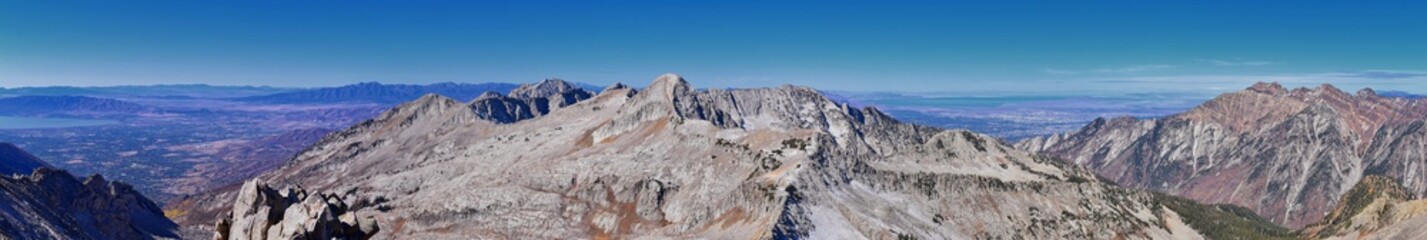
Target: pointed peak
x,y
670,84
1268,87
430,99
544,88
1327,87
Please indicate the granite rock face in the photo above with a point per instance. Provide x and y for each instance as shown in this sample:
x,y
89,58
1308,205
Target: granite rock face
x,y
261,212
670,161
528,101
52,204
1287,154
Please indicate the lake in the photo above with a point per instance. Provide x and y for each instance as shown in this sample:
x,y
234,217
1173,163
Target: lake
x,y
34,123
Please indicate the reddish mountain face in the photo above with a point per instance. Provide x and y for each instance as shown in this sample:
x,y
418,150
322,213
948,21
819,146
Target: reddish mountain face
x,y
1287,154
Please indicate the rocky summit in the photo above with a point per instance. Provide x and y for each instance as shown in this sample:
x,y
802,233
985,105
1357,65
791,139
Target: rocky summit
x,y
672,161
528,101
1287,154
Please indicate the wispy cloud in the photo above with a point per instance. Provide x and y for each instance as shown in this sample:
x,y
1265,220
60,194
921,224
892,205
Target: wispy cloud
x,y
1380,74
1133,69
1236,62
1059,72
1120,70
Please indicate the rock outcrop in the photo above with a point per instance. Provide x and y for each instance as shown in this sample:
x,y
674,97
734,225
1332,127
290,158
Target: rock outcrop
x,y
261,212
670,161
528,101
52,204
1287,154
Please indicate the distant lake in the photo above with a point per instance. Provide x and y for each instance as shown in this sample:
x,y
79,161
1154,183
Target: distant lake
x,y
33,123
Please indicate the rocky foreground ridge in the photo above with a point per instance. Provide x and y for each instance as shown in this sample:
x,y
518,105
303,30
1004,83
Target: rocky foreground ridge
x,y
52,204
1287,154
671,161
261,212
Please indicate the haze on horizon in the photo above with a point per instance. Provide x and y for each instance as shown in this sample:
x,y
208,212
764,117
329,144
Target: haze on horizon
x,y
1047,48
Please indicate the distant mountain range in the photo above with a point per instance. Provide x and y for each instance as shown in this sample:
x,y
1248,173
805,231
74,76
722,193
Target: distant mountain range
x,y
1289,155
372,92
186,90
67,106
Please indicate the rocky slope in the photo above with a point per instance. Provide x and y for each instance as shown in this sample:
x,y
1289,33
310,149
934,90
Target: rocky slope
x,y
52,204
1376,208
1287,154
670,161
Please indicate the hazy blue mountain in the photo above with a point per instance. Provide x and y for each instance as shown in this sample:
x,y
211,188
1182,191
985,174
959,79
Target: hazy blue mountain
x,y
65,105
183,90
1400,94
372,92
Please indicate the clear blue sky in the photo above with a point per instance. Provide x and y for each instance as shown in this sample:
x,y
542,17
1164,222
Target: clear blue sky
x,y
1051,46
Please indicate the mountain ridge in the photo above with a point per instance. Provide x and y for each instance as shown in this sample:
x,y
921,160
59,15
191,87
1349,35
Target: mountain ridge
x,y
669,160
1287,154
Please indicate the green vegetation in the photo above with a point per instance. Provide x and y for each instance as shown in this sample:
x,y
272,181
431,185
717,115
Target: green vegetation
x,y
1223,221
1368,190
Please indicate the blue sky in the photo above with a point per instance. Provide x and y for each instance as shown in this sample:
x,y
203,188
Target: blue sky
x,y
1051,47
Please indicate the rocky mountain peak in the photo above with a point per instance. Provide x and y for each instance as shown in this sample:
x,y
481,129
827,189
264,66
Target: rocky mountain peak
x,y
669,86
1288,156
544,88
1268,87
528,101
1328,90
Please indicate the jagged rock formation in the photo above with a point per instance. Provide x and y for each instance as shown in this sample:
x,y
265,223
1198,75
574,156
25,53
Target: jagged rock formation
x,y
528,101
670,161
13,160
261,212
1376,208
1287,154
52,204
